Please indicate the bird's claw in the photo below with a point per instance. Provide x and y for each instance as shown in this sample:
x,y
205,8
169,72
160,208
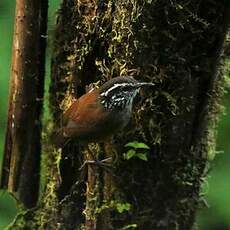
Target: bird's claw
x,y
102,163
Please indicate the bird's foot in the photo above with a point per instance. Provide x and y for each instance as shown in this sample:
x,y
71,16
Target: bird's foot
x,y
105,163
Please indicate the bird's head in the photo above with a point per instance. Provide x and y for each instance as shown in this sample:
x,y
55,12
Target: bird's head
x,y
119,92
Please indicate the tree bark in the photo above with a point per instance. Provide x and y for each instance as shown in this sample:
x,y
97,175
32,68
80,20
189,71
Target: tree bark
x,y
178,46
21,163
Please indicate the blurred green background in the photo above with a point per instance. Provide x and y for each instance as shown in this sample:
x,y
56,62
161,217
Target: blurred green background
x,y
217,188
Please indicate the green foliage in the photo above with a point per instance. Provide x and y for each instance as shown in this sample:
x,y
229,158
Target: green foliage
x,y
134,148
119,206
142,156
218,189
123,207
137,145
7,203
131,153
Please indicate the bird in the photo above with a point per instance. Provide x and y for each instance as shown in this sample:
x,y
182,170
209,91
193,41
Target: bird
x,y
100,113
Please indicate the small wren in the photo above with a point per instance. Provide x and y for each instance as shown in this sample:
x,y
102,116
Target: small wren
x,y
99,113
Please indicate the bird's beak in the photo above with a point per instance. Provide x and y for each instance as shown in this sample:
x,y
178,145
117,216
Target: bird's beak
x,y
141,84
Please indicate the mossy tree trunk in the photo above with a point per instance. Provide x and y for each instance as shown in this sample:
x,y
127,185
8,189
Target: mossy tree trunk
x,y
21,162
175,44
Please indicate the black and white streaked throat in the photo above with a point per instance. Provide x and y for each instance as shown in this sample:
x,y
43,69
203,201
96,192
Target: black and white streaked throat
x,y
119,92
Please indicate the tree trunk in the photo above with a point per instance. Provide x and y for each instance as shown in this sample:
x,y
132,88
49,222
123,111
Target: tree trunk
x,y
21,163
176,45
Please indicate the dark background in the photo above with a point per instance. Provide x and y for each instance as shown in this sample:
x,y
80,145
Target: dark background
x,y
217,185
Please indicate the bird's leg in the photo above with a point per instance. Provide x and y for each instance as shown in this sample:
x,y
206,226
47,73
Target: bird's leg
x,y
110,150
102,163
92,160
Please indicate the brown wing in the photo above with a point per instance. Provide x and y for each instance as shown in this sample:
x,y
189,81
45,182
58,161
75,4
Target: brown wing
x,y
84,116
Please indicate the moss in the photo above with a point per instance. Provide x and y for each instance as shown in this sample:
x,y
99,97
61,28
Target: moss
x,y
159,41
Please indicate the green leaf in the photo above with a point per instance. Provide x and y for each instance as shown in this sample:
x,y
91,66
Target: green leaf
x,y
121,207
141,156
130,154
137,145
